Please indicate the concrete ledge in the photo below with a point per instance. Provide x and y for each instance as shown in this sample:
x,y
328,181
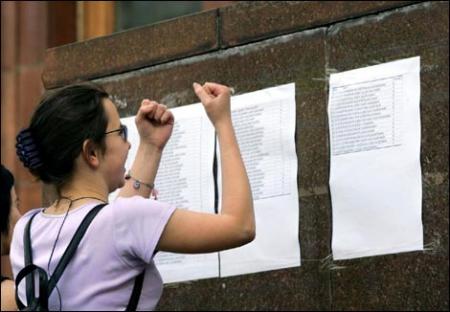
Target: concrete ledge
x,y
251,21
132,49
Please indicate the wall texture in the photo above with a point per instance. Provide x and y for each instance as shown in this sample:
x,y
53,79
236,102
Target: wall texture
x,y
23,43
255,45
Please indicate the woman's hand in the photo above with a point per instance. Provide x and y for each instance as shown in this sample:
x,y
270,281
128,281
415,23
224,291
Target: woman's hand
x,y
216,100
154,123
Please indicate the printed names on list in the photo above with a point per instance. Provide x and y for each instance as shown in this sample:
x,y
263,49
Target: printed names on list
x,y
185,179
260,140
375,176
367,115
264,122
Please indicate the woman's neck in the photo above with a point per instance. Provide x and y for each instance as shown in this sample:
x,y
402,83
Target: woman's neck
x,y
81,194
83,185
65,204
78,193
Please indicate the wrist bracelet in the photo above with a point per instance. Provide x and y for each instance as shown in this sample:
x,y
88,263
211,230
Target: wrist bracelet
x,y
137,183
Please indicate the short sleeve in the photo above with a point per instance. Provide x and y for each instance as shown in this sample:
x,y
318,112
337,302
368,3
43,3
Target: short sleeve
x,y
139,223
16,249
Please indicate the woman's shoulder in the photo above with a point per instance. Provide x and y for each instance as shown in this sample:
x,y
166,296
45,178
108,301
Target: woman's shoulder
x,y
21,223
137,206
27,216
137,202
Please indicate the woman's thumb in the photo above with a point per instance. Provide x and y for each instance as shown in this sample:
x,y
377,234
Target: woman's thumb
x,y
201,93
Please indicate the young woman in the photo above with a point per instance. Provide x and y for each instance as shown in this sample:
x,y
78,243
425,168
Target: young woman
x,y
75,141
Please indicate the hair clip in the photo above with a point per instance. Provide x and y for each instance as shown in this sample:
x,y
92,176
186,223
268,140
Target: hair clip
x,y
27,150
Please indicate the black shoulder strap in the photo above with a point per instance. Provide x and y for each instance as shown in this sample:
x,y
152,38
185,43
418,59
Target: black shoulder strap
x,y
29,259
67,256
73,245
136,294
34,304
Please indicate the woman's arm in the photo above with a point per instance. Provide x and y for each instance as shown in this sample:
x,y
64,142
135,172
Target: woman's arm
x,y
193,232
8,296
154,123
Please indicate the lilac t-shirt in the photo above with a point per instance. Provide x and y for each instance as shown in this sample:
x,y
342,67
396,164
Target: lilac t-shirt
x,y
118,245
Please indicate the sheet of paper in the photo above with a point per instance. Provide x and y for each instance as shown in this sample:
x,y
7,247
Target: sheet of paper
x,y
185,178
375,174
264,123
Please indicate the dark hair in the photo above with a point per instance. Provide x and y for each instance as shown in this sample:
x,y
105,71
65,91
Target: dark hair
x,y
7,182
61,123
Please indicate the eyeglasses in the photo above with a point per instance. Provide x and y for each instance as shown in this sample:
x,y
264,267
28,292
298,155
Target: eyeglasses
x,y
123,132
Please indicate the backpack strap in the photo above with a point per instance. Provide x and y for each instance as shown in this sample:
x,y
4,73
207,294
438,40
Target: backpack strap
x,y
136,293
68,254
29,259
73,245
34,303
62,264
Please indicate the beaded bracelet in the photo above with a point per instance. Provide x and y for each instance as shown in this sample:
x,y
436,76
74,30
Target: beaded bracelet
x,y
137,183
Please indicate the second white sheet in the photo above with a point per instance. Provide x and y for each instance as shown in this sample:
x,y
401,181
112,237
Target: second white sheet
x,y
375,175
264,123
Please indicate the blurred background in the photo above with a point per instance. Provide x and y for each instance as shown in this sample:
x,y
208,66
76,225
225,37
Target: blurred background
x,y
30,27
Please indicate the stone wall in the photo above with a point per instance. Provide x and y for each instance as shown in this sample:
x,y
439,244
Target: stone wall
x,y
255,45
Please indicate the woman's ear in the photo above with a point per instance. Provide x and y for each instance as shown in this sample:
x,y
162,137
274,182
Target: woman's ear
x,y
91,153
